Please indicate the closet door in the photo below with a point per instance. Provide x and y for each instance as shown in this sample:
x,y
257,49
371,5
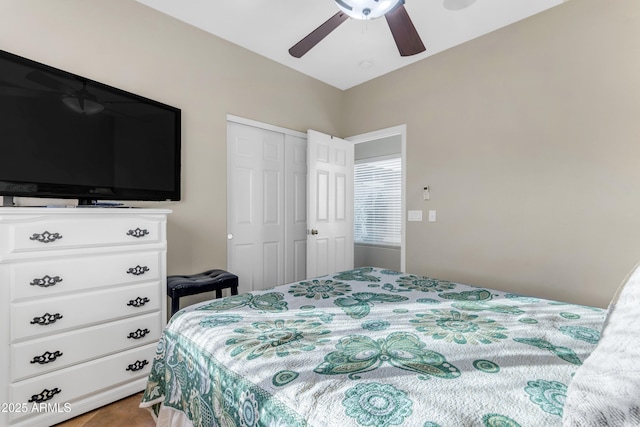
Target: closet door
x,y
255,206
295,261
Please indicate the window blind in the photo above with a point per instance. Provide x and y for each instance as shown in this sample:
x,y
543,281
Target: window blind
x,y
378,202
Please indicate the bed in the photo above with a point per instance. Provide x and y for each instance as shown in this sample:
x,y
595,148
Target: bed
x,y
370,347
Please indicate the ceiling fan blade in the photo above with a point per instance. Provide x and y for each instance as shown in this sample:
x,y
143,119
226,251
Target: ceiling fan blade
x,y
404,33
316,36
9,89
50,82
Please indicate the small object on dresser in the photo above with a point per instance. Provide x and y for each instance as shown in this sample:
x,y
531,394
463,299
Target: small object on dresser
x,y
211,280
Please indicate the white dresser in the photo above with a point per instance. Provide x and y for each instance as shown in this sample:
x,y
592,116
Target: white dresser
x,y
82,308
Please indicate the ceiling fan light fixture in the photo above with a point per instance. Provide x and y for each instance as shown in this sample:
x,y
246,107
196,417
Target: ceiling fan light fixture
x,y
82,105
367,9
457,4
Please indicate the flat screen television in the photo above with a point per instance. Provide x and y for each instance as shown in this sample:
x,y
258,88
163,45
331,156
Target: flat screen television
x,y
68,137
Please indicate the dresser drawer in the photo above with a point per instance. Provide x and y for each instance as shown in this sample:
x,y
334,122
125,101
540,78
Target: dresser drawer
x,y
42,355
49,277
91,377
67,233
46,316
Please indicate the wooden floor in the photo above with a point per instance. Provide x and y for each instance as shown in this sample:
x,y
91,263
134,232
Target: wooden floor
x,y
124,412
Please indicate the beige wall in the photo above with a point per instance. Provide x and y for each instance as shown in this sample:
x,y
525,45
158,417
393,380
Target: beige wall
x,y
128,45
529,140
528,137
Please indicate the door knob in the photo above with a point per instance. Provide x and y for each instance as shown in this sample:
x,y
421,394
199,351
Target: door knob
x,y
229,236
314,232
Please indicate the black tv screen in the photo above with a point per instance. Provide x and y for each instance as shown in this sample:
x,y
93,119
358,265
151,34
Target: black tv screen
x,y
66,136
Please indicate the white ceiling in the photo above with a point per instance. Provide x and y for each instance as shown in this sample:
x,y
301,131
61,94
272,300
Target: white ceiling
x,y
357,51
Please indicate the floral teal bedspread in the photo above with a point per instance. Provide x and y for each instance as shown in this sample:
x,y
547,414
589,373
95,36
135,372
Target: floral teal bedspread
x,y
372,347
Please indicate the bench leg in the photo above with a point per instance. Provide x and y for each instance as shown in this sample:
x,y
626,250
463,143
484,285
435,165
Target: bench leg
x,y
175,305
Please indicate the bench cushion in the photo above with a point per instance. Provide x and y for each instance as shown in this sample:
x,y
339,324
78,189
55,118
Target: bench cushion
x,y
211,280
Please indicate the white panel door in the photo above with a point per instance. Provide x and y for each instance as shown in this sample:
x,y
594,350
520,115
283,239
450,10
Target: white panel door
x,y
255,206
330,204
295,260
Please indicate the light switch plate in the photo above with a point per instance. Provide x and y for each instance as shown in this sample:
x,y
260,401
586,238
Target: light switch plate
x,y
414,216
432,216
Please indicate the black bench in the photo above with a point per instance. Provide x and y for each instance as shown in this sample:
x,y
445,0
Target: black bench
x,y
211,280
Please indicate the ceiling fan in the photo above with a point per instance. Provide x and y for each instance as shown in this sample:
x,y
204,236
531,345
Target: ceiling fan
x,y
81,100
404,33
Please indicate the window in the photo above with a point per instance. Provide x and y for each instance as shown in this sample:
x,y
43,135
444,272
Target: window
x,y
377,188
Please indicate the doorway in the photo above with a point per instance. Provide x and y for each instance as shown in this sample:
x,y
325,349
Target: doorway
x,y
384,144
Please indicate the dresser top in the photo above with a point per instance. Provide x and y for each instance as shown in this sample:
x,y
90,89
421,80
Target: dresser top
x,y
84,210
90,211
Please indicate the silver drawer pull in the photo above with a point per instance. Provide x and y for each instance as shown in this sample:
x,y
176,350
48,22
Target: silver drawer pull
x,y
140,364
46,281
138,270
138,233
138,302
140,333
47,357
44,395
46,319
46,237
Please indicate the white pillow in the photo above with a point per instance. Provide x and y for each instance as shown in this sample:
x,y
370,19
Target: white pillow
x,y
605,390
